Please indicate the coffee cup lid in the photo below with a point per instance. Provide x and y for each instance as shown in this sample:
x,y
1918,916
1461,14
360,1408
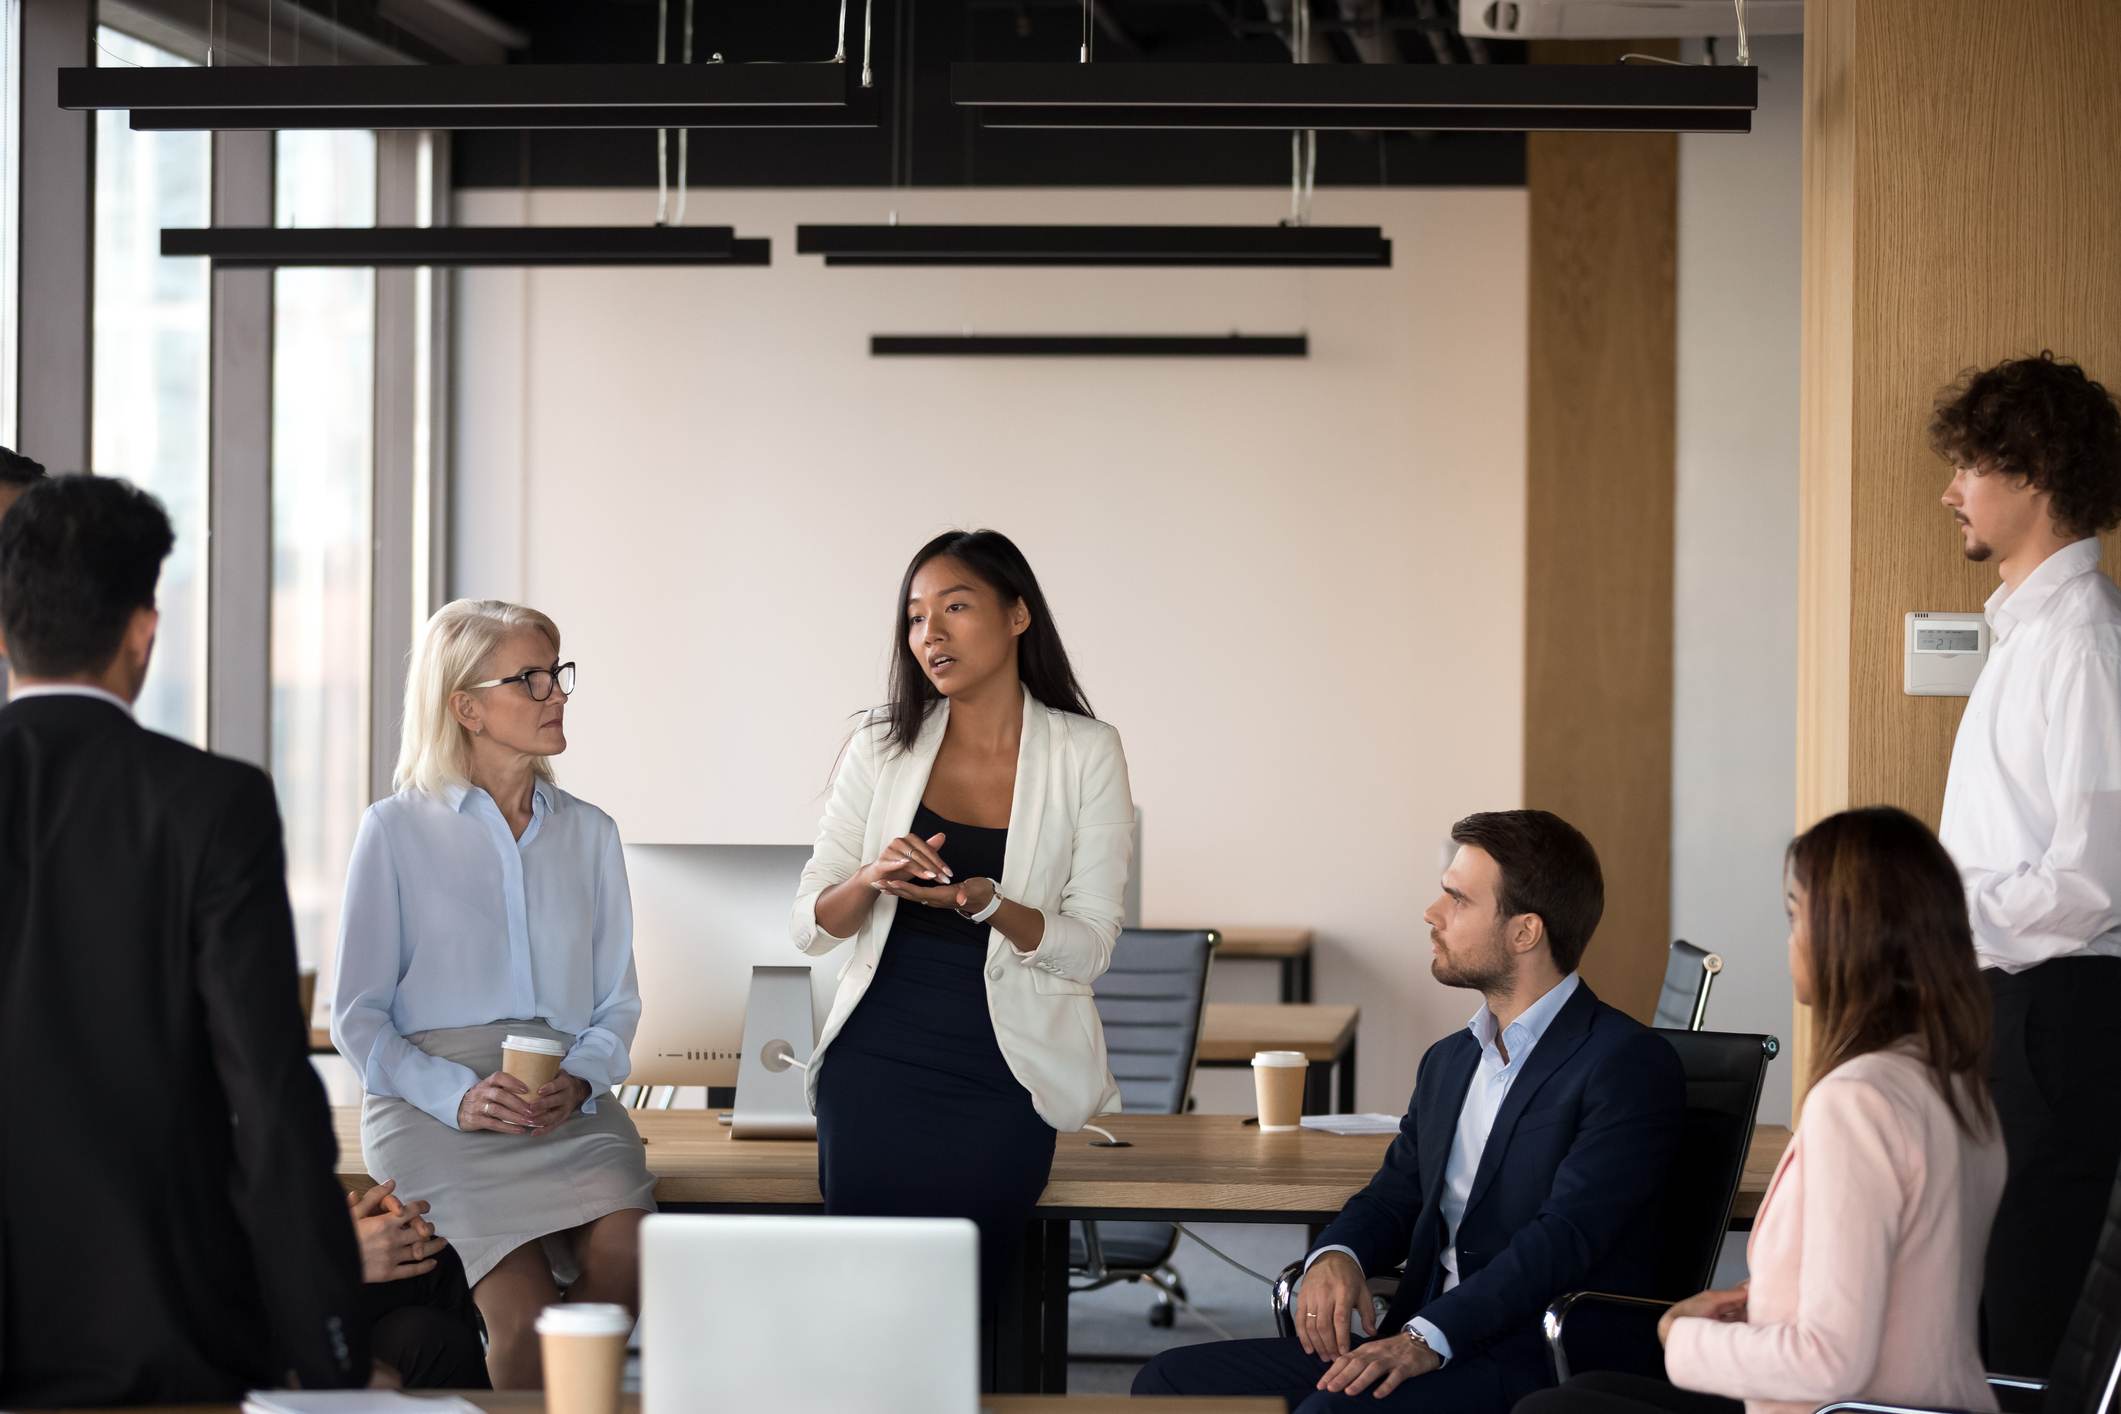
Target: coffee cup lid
x,y
534,1045
1280,1060
586,1318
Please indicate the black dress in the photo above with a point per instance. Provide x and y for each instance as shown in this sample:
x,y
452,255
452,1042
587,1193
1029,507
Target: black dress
x,y
917,1112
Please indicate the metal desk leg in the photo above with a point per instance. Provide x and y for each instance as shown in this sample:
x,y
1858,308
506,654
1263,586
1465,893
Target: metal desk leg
x,y
1303,978
1318,1089
1053,1280
1347,1078
1291,982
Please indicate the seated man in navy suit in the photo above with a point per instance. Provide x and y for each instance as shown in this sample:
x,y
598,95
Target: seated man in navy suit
x,y
1529,1164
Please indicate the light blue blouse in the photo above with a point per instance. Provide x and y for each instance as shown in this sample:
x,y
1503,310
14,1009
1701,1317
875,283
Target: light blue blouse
x,y
452,921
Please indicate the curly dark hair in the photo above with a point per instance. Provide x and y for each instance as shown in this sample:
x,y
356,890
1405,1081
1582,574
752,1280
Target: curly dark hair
x,y
2042,420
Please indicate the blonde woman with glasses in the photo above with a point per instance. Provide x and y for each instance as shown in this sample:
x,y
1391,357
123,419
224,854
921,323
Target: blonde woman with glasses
x,y
485,902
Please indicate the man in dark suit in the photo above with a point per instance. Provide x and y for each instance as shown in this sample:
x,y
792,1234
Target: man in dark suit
x,y
169,1227
1529,1164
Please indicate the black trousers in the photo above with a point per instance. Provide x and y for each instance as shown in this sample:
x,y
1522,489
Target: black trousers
x,y
428,1329
2058,1026
1610,1393
1279,1367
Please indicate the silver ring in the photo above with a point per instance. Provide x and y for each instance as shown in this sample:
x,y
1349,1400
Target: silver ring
x,y
488,1108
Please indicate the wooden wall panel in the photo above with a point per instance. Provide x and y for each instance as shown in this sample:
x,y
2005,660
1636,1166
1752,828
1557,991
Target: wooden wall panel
x,y
1600,477
1963,205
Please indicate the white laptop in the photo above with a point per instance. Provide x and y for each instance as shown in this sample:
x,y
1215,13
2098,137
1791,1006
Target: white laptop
x,y
809,1315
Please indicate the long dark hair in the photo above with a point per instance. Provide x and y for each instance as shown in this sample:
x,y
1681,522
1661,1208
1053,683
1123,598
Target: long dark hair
x,y
1041,661
1892,953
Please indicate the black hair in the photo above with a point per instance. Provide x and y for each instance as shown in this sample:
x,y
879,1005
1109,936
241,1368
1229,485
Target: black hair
x,y
18,470
78,554
1041,661
1548,868
2041,420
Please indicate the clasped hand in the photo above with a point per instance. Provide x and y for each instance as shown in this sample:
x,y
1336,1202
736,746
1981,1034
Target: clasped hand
x,y
912,868
1332,1292
395,1238
1727,1305
506,1105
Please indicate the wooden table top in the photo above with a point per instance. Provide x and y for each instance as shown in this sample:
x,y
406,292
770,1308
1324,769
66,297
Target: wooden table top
x,y
1231,1032
1177,1163
534,1403
1263,942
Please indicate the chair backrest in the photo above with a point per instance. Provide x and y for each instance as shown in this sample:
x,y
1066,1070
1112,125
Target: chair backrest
x,y
2087,1374
1683,1003
1150,1001
1724,1073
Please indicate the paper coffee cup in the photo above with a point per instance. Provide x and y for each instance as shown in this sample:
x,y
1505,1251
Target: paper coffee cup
x,y
1278,1078
532,1060
584,1348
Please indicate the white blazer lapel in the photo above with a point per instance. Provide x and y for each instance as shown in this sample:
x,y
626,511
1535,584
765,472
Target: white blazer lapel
x,y
1027,807
909,782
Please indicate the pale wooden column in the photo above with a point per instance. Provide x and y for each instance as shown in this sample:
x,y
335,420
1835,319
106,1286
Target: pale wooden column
x,y
1598,538
1962,206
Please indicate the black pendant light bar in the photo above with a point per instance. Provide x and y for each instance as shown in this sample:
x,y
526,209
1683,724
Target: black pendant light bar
x,y
859,111
457,86
1518,97
1090,345
274,247
1350,246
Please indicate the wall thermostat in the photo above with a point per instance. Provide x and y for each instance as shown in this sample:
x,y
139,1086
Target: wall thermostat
x,y
1945,653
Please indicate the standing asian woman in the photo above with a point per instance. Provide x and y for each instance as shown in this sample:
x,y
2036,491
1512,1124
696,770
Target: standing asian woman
x,y
974,853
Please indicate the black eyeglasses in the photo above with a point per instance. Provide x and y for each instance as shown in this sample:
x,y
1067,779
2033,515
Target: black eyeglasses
x,y
538,682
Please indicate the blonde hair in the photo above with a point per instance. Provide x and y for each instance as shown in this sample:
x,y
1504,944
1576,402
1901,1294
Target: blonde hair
x,y
435,751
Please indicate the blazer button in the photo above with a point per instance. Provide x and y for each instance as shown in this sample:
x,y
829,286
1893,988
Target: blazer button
x,y
994,974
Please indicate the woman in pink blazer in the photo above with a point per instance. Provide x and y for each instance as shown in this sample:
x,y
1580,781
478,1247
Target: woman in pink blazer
x,y
1866,1258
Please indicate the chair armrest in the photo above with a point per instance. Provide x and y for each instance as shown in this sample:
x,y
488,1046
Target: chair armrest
x,y
1862,1406
1557,1316
1284,1293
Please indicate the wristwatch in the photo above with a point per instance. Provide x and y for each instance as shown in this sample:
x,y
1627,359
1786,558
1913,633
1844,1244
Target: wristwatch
x,y
994,904
1423,1341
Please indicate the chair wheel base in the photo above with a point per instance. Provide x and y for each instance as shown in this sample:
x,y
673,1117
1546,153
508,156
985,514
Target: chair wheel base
x,y
1163,1317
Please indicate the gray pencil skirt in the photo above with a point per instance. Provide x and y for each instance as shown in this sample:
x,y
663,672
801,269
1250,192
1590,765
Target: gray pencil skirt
x,y
492,1193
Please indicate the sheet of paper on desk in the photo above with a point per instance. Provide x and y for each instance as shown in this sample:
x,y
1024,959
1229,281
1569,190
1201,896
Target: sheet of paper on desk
x,y
349,1401
1353,1124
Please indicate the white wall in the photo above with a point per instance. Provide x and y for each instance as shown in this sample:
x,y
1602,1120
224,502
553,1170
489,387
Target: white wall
x,y
1734,723
1297,588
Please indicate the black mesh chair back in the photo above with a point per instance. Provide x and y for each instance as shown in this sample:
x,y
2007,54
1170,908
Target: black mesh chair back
x,y
2087,1373
1683,1002
1150,1001
1725,1071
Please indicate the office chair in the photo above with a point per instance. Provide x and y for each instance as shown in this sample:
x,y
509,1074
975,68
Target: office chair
x,y
2086,1378
1150,1001
1724,1074
1683,1003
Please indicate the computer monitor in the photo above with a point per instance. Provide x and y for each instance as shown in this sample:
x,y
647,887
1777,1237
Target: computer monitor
x,y
730,1314
703,917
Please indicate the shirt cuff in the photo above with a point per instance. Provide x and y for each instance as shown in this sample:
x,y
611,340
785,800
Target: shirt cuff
x,y
1336,1247
1438,1341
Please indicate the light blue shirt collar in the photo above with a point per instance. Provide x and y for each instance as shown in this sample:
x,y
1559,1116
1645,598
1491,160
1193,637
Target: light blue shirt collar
x,y
457,792
1521,1035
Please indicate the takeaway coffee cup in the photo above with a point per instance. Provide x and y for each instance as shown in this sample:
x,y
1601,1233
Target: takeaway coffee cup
x,y
532,1060
585,1357
1278,1077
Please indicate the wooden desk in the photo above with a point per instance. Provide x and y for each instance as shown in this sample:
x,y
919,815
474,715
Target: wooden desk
x,y
494,1403
1231,1033
320,1041
1291,947
1179,1168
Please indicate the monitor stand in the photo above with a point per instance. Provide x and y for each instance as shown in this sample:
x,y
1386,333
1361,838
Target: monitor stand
x,y
770,1099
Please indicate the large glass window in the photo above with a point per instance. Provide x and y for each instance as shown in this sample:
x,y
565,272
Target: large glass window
x,y
323,466
153,342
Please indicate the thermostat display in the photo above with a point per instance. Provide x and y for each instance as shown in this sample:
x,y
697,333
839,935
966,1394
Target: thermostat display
x,y
1945,653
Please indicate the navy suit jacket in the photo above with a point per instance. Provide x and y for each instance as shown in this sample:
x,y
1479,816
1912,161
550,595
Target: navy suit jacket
x,y
1565,1197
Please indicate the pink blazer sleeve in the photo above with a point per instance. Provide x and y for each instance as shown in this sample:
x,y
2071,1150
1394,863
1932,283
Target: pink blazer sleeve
x,y
1862,1166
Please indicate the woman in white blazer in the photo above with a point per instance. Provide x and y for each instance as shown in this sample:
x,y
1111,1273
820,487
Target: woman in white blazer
x,y
975,852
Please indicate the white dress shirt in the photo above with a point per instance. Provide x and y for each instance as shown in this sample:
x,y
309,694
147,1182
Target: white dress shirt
x,y
452,921
1492,1080
70,689
2032,809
